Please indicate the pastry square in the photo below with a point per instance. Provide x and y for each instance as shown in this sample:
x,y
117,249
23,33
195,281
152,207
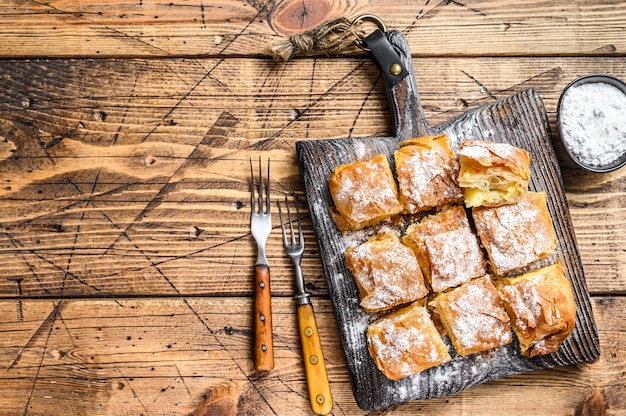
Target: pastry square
x,y
516,235
427,172
406,342
541,306
492,173
364,193
474,317
446,249
386,272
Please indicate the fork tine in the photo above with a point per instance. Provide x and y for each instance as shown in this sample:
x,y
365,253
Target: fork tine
x,y
293,235
299,241
252,195
267,195
300,234
282,224
260,187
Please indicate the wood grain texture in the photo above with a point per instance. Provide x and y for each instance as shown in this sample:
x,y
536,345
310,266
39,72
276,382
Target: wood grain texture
x,y
96,28
263,336
117,194
168,356
124,200
318,385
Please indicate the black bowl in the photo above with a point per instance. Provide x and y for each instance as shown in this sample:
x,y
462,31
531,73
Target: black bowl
x,y
589,79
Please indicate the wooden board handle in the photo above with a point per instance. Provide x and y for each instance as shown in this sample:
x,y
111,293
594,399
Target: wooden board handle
x,y
314,365
404,101
263,341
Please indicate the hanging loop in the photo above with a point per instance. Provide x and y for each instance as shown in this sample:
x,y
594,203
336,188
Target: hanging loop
x,y
371,18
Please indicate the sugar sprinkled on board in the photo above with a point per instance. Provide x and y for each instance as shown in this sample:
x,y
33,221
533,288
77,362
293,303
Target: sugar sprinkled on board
x,y
593,122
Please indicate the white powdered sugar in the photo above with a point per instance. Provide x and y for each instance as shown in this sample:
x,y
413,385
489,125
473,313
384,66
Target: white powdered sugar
x,y
428,178
386,274
455,258
370,193
515,235
526,302
479,317
593,122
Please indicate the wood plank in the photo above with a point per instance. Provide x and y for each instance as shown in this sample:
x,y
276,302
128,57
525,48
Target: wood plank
x,y
121,192
123,28
163,356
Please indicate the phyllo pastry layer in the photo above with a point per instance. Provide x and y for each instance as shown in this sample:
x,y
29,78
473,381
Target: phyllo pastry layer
x,y
492,173
406,342
386,272
542,309
364,193
516,235
427,171
446,249
474,317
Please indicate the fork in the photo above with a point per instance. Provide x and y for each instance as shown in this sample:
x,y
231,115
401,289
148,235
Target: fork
x,y
316,376
261,227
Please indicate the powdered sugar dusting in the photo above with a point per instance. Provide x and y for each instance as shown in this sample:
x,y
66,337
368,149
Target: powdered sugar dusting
x,y
428,178
455,258
367,197
407,342
484,152
387,271
525,301
479,321
515,235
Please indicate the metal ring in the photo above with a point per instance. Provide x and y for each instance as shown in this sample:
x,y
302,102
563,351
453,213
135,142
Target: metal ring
x,y
372,18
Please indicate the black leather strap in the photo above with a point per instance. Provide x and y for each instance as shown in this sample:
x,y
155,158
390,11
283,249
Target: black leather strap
x,y
386,57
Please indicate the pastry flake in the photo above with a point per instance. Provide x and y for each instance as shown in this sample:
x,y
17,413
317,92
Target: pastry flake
x,y
516,235
386,272
364,193
427,172
446,249
542,309
406,342
492,173
474,317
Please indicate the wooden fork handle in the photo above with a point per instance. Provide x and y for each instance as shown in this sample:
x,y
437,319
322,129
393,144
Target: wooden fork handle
x,y
263,342
317,379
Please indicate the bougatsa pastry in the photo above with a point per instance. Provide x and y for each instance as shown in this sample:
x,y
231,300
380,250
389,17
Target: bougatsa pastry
x,y
542,309
516,235
386,272
364,193
406,342
427,171
474,317
446,249
492,173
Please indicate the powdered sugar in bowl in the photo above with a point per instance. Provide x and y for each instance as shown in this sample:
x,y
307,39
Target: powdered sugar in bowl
x,y
591,118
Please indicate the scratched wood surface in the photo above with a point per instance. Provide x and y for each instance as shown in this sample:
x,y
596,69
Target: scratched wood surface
x,y
125,253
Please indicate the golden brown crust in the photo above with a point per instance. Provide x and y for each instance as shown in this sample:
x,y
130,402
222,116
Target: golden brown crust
x,y
364,193
474,317
492,174
406,342
386,272
542,309
427,172
516,235
446,248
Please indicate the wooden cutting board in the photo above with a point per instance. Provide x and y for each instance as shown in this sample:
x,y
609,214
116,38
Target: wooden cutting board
x,y
519,120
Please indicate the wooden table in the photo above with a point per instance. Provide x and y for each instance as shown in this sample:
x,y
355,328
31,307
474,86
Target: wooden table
x,y
126,130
